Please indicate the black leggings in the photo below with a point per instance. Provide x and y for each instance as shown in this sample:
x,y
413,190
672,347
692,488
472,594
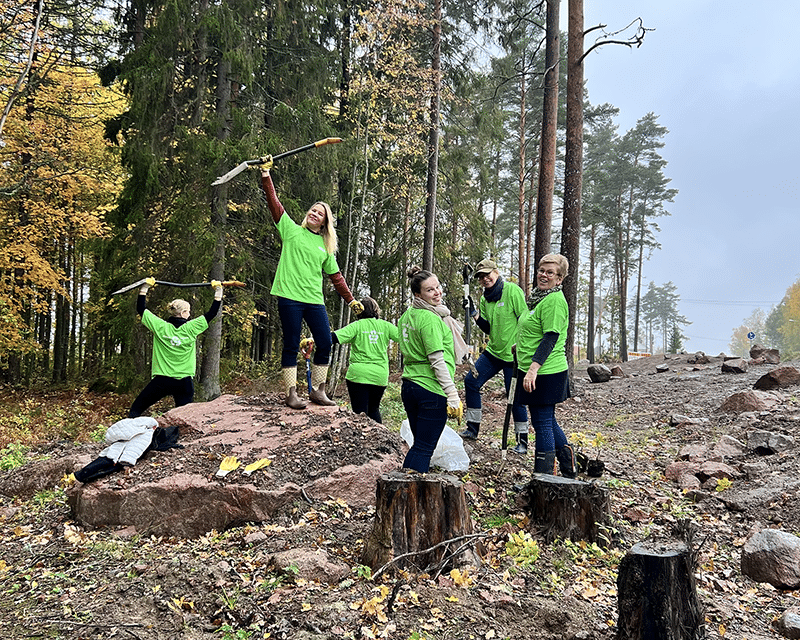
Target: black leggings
x,y
366,398
181,389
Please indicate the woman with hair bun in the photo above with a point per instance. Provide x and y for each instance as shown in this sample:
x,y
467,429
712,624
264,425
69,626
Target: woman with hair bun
x,y
308,252
428,391
174,349
368,372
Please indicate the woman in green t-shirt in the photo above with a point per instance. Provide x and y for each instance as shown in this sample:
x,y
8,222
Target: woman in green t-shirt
x,y
308,252
542,361
368,372
428,390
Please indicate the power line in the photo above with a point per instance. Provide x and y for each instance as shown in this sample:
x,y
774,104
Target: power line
x,y
731,302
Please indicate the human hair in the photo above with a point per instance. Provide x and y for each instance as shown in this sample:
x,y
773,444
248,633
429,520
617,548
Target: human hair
x,y
177,307
371,308
417,276
557,259
328,228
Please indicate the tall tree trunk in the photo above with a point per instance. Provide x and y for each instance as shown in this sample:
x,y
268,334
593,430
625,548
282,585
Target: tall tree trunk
x,y
573,165
590,330
547,162
212,345
521,180
433,139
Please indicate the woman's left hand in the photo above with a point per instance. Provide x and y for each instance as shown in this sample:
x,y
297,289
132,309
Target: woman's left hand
x,y
529,381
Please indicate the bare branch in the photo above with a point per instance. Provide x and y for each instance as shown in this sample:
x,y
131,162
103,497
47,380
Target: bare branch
x,y
18,86
635,40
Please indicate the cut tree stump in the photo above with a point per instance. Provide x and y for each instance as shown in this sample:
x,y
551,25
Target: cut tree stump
x,y
413,514
565,508
657,595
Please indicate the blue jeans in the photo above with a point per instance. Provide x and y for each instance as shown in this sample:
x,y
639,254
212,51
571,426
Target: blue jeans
x,y
488,367
427,416
549,435
292,313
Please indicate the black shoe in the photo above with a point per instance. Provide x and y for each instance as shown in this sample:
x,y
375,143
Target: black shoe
x,y
470,433
522,444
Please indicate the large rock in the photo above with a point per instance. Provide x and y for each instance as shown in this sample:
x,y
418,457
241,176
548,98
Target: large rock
x,y
734,366
773,556
762,354
779,378
318,454
598,373
744,401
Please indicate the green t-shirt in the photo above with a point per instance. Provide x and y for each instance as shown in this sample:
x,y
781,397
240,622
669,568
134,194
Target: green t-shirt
x,y
174,348
302,262
502,317
369,362
423,332
551,314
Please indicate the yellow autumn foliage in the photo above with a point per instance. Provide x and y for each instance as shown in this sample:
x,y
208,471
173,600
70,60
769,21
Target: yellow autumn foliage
x,y
58,180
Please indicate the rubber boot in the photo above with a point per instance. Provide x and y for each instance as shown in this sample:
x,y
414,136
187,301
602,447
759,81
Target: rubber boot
x,y
471,432
545,463
317,395
289,377
522,444
566,461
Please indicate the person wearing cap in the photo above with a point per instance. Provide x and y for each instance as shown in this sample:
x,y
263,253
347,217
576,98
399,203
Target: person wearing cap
x,y
174,349
500,307
308,252
368,373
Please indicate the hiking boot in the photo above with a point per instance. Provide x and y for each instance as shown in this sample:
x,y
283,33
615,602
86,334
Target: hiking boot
x,y
471,432
566,461
522,444
545,463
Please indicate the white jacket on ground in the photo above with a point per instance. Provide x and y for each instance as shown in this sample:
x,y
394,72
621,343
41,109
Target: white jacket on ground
x,y
129,439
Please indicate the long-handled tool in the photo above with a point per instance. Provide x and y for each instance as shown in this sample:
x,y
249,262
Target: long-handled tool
x,y
507,419
466,272
306,351
250,163
139,283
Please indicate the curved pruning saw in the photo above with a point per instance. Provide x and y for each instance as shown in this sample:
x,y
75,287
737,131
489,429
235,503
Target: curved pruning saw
x,y
251,163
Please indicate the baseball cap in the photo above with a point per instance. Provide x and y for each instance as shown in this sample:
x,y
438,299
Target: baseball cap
x,y
484,267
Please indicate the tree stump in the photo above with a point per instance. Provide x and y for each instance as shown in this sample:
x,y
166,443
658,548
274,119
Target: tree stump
x,y
565,508
413,514
657,595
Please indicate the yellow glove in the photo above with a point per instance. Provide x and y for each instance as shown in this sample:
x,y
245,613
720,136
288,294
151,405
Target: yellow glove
x,y
456,412
265,163
357,307
148,282
228,464
255,466
216,284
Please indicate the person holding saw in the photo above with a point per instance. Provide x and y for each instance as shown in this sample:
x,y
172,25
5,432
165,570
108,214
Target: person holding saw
x,y
174,349
368,373
308,251
543,369
428,392
499,310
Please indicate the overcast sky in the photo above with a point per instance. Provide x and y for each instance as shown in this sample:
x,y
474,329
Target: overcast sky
x,y
724,79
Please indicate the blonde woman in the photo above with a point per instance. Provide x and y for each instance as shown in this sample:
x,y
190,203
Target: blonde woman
x,y
308,252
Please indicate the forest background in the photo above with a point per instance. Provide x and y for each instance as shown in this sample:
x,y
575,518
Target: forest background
x,y
456,125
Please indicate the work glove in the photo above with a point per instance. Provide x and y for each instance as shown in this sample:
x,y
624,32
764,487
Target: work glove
x,y
265,163
255,466
456,412
228,464
357,307
148,282
469,304
306,344
217,286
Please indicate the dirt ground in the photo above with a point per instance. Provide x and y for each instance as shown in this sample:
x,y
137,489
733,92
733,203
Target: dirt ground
x,y
58,580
